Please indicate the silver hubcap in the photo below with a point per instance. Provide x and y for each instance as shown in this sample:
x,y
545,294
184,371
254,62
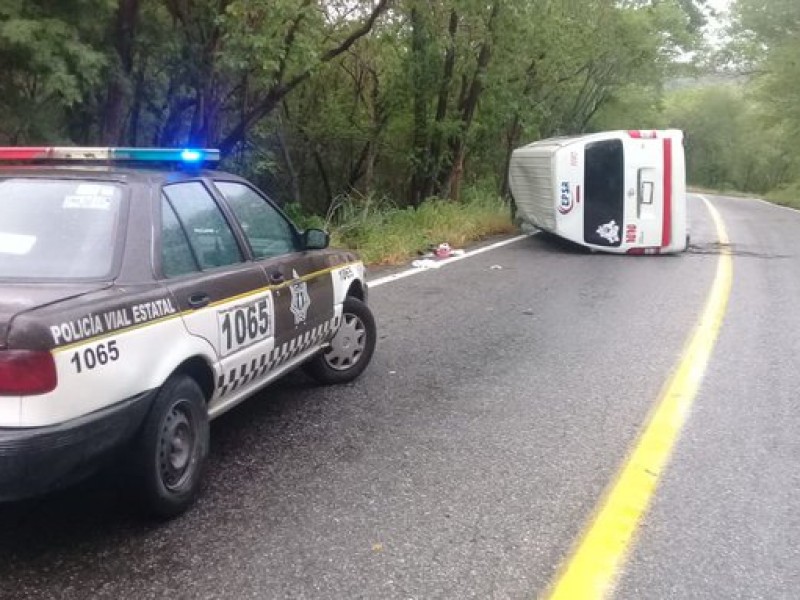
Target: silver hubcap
x,y
347,345
176,447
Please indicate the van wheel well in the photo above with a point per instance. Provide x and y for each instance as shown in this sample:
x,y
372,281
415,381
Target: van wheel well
x,y
199,370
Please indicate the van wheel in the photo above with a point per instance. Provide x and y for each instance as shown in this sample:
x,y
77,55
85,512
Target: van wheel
x,y
171,450
350,349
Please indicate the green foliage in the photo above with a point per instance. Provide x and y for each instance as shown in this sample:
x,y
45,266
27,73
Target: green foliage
x,y
303,219
729,143
787,195
385,234
766,44
49,62
364,99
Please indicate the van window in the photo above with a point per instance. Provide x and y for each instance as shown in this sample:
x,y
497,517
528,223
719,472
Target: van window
x,y
604,183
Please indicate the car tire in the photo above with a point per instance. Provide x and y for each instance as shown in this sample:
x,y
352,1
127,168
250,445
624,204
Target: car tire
x,y
169,455
351,348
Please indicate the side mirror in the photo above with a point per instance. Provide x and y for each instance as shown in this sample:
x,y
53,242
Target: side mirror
x,y
316,239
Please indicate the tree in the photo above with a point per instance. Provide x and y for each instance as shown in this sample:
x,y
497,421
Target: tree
x,y
49,60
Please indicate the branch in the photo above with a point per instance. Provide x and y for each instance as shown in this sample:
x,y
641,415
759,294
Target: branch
x,y
279,90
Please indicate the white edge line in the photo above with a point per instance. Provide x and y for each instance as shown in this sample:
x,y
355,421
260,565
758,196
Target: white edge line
x,y
772,204
761,200
417,270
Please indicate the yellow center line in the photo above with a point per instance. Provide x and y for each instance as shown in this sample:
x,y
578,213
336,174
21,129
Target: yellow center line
x,y
595,563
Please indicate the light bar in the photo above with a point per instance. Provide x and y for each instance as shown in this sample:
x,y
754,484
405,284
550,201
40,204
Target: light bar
x,y
643,134
188,156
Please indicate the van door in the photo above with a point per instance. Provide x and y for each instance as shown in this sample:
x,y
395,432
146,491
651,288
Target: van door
x,y
648,174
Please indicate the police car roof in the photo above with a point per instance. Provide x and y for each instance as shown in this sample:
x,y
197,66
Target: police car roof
x,y
150,173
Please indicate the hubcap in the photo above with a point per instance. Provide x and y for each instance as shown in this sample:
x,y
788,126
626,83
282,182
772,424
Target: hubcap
x,y
176,446
348,344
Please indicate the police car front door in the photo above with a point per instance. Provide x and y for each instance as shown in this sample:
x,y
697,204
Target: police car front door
x,y
304,305
300,281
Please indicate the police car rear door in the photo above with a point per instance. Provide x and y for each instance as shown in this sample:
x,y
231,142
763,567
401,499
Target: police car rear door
x,y
222,296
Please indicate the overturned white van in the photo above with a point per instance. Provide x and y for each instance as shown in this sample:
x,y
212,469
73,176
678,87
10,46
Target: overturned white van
x,y
616,191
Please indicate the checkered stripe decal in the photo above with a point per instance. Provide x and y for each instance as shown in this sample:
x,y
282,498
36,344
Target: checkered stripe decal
x,y
259,366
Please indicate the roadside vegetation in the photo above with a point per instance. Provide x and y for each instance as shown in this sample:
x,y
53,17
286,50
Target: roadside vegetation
x,y
385,234
393,121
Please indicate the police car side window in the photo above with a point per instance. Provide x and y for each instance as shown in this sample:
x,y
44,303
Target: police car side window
x,y
210,237
268,232
176,254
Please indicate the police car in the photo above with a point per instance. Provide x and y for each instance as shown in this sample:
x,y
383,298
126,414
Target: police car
x,y
142,295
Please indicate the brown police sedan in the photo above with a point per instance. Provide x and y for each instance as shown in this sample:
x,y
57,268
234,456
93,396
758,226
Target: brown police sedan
x,y
141,296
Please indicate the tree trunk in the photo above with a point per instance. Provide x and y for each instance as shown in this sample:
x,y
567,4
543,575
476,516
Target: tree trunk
x,y
287,160
419,44
450,178
113,125
512,139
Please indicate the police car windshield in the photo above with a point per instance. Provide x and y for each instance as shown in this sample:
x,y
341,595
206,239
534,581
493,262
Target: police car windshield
x,y
57,229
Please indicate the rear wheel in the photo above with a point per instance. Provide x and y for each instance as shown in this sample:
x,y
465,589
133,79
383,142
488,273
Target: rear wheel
x,y
350,349
169,455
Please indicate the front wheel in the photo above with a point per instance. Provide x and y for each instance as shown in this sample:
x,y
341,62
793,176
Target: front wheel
x,y
169,455
350,349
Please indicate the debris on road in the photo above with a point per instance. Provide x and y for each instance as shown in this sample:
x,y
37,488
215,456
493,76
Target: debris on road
x,y
425,263
443,250
430,259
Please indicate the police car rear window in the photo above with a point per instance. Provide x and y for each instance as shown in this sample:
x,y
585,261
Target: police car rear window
x,y
57,229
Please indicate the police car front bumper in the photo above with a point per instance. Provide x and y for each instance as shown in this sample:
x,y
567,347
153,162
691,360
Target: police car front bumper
x,y
36,460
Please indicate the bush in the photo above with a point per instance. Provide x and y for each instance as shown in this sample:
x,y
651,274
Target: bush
x,y
384,234
788,195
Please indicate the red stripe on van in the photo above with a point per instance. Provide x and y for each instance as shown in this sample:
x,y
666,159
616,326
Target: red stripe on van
x,y
666,222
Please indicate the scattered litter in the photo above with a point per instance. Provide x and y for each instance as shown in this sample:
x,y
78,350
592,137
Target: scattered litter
x,y
496,267
431,258
425,263
443,250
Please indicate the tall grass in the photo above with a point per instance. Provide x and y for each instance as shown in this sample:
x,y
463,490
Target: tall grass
x,y
787,196
384,234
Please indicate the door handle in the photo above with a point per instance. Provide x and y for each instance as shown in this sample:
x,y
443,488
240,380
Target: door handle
x,y
276,277
199,300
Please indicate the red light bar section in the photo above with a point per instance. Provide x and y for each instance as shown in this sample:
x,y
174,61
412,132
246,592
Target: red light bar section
x,y
642,134
23,153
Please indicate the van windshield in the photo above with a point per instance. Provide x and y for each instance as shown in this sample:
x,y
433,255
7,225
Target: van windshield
x,y
57,229
603,211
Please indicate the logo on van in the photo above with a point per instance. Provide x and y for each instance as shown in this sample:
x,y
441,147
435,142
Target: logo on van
x,y
565,203
609,232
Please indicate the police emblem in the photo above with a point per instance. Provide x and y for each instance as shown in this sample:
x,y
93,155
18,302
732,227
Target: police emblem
x,y
300,299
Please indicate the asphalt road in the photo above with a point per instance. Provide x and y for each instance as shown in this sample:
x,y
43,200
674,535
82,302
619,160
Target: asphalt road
x,y
468,458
